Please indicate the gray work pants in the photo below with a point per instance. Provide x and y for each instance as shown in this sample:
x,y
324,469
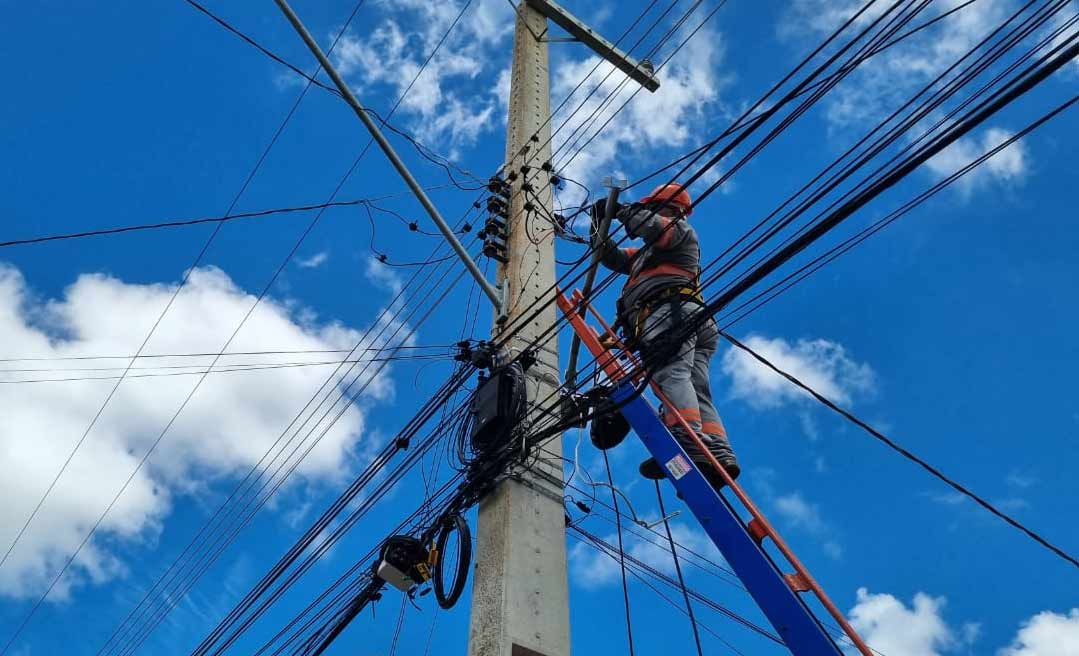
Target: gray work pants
x,y
683,376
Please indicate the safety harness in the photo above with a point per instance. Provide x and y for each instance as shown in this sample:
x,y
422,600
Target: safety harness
x,y
632,319
673,296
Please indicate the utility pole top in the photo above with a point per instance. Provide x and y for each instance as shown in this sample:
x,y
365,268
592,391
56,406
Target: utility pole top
x,y
639,72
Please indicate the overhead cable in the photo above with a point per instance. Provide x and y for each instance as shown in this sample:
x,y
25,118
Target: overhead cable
x,y
906,453
153,329
190,222
345,177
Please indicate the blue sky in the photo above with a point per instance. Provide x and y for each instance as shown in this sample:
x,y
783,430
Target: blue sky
x,y
952,330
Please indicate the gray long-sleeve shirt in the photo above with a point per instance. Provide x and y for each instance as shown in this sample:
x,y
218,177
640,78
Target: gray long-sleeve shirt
x,y
670,257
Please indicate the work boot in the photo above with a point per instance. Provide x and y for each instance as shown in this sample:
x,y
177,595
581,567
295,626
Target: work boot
x,y
651,470
721,449
730,464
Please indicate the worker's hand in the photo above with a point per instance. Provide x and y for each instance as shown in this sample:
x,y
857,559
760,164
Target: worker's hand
x,y
608,341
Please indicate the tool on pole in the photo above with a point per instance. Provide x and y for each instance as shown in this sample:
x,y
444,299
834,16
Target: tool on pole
x,y
598,246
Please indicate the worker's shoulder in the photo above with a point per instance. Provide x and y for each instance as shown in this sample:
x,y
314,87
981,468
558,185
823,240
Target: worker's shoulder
x,y
688,227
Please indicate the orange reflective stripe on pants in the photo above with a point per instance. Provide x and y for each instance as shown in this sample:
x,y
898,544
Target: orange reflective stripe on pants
x,y
714,428
691,415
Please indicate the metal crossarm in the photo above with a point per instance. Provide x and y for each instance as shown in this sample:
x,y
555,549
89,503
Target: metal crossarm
x,y
741,543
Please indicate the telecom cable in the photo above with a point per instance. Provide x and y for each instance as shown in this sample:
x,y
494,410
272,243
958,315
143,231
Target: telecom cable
x,y
187,274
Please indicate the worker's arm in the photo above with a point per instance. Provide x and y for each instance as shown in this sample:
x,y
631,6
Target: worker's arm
x,y
614,258
617,259
657,231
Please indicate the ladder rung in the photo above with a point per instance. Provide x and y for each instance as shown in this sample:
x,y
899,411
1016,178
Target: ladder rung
x,y
757,530
797,582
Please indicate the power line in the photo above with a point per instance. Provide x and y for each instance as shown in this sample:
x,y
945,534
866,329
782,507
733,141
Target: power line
x,y
223,369
621,555
918,113
153,329
1064,54
447,164
806,270
536,308
213,557
609,278
66,358
678,569
637,566
1017,87
199,563
525,317
214,219
747,119
937,473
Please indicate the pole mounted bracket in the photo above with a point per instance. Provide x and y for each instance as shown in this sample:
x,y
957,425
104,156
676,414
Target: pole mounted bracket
x,y
502,304
640,72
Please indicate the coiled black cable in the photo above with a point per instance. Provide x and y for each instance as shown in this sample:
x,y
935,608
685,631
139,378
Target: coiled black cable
x,y
451,525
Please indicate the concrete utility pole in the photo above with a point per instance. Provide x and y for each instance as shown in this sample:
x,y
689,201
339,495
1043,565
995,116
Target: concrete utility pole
x,y
520,597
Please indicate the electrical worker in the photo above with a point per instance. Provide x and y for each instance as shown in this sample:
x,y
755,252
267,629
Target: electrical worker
x,y
661,294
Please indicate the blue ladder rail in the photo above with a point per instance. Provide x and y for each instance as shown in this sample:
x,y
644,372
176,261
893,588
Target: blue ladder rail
x,y
742,544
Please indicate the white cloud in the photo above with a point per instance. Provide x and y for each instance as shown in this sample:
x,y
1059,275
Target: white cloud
x,y
891,628
464,91
947,498
1009,165
593,569
502,89
449,104
1046,634
313,262
821,364
664,121
802,514
809,425
1020,480
1012,504
798,511
883,83
229,424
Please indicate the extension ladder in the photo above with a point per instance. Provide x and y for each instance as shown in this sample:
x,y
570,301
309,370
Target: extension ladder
x,y
741,543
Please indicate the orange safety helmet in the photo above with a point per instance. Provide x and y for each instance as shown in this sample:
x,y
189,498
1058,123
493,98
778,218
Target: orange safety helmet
x,y
673,193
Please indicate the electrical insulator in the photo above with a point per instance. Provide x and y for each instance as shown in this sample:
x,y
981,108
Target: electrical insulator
x,y
497,185
497,206
495,250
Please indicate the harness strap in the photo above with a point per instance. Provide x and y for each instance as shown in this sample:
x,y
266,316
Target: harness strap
x,y
673,295
661,269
